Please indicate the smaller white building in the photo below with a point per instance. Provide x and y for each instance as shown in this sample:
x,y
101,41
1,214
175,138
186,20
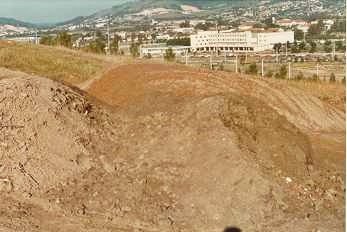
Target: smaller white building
x,y
159,49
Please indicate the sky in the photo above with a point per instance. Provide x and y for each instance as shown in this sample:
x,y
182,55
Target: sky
x,y
52,11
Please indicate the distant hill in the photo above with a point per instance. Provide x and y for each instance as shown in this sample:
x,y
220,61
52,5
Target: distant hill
x,y
15,22
139,5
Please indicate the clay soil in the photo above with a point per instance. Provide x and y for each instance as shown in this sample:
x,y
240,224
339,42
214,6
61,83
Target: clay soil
x,y
155,147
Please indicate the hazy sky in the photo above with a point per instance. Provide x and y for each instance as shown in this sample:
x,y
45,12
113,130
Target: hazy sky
x,y
48,11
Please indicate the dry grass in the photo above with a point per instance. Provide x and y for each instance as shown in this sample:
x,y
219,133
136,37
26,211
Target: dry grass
x,y
51,62
332,93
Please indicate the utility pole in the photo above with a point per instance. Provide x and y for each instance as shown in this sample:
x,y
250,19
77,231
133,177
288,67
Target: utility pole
x,y
36,37
211,65
286,50
289,71
334,51
186,56
236,69
317,70
304,36
108,38
262,67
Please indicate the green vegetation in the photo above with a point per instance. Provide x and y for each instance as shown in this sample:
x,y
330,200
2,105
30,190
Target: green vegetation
x,y
115,44
299,76
179,42
332,77
51,62
204,26
298,34
169,55
185,24
62,39
134,49
282,73
252,69
269,73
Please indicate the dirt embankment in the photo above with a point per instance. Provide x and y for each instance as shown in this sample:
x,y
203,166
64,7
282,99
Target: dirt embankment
x,y
178,150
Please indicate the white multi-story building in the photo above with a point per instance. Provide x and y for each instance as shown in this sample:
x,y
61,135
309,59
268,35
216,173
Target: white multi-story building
x,y
239,41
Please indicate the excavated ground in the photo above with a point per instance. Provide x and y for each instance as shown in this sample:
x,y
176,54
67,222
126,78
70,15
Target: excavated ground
x,y
169,148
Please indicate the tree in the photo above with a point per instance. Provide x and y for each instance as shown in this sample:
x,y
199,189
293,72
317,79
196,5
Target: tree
x,y
64,39
277,47
115,44
252,69
340,46
97,46
204,26
179,41
185,24
47,40
316,29
327,46
294,48
298,34
302,46
134,49
282,73
313,46
169,55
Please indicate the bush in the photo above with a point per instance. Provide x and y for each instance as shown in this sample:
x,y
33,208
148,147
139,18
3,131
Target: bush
x,y
169,55
64,39
269,73
48,40
299,76
252,69
332,77
314,77
134,49
97,46
282,73
148,56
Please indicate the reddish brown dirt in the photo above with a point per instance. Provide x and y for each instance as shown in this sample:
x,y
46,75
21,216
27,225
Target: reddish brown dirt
x,y
176,149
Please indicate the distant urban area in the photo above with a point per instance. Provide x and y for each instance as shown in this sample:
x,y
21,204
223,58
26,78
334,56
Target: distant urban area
x,y
253,38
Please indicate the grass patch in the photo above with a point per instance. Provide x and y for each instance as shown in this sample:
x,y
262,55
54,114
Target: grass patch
x,y
51,62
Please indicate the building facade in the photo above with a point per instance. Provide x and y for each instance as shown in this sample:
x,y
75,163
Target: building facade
x,y
159,49
239,41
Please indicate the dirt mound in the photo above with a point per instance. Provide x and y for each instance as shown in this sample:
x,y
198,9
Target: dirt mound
x,y
130,84
177,152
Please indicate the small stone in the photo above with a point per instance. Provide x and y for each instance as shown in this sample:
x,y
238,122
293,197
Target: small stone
x,y
288,180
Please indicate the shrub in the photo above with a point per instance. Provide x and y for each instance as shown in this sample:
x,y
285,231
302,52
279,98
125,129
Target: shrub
x,y
332,77
169,55
299,76
282,73
252,69
269,73
134,49
314,77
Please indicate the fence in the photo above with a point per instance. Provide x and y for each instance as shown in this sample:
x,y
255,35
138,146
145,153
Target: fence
x,y
296,67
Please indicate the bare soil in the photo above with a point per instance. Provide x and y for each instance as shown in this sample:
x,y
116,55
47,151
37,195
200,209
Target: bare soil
x,y
169,148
